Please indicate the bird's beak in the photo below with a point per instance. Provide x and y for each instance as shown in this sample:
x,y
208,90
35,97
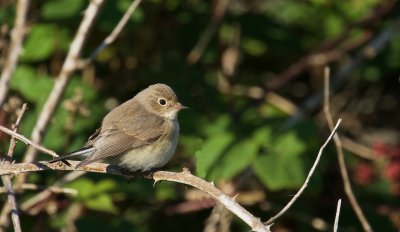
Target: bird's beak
x,y
181,107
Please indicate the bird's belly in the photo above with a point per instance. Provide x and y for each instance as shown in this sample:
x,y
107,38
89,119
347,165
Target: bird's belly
x,y
151,156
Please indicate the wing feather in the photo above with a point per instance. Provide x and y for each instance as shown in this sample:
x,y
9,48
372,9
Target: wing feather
x,y
138,128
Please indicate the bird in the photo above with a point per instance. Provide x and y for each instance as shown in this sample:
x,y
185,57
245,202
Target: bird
x,y
141,134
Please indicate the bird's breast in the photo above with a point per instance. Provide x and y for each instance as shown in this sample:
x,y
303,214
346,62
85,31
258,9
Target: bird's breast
x,y
154,155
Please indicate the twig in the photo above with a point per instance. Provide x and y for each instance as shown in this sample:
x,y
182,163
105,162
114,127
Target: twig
x,y
43,195
369,51
310,173
342,164
7,180
17,36
28,142
335,226
117,30
335,48
211,29
53,189
13,203
4,222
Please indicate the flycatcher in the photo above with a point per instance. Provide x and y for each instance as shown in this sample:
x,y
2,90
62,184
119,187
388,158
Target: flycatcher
x,y
138,135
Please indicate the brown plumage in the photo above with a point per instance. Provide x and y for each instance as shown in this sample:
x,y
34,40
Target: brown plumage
x,y
140,134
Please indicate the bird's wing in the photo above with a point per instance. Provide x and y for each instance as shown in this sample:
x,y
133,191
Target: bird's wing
x,y
125,134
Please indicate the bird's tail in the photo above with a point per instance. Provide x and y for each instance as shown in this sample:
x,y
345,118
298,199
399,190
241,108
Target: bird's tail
x,y
85,151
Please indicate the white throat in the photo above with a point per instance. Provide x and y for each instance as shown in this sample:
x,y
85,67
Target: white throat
x,y
172,114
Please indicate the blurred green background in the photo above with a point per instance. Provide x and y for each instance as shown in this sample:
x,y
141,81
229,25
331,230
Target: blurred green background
x,y
259,64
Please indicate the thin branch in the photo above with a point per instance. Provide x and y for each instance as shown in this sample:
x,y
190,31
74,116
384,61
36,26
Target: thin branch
x,y
53,189
369,51
27,141
12,202
310,173
208,33
17,36
335,226
4,221
117,30
69,66
342,164
45,194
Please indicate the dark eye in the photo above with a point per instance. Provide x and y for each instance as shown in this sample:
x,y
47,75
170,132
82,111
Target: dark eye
x,y
162,102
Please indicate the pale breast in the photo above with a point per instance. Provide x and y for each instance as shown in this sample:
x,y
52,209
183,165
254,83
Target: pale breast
x,y
151,156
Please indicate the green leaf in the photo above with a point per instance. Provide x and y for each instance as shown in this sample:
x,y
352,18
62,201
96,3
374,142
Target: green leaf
x,y
211,150
280,171
32,86
84,186
40,43
289,144
60,9
106,185
102,203
254,47
239,157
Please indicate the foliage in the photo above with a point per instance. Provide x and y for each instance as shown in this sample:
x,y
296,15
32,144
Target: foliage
x,y
229,135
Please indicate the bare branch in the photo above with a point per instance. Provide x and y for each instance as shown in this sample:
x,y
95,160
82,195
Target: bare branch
x,y
310,173
17,37
45,194
184,177
335,226
342,164
12,202
53,189
28,142
211,29
117,30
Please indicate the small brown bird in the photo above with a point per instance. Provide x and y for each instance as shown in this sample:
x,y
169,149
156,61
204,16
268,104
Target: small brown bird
x,y
138,135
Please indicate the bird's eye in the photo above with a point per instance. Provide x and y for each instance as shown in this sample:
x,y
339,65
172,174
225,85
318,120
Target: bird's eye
x,y
162,101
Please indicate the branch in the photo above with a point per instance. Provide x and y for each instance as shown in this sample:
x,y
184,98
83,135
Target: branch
x,y
310,173
217,17
45,194
12,202
342,164
17,36
117,30
335,226
27,141
184,177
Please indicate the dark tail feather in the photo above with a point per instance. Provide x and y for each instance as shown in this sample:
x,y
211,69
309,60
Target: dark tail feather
x,y
80,152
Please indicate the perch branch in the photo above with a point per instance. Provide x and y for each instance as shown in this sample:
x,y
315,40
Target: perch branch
x,y
184,177
17,36
342,164
297,195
